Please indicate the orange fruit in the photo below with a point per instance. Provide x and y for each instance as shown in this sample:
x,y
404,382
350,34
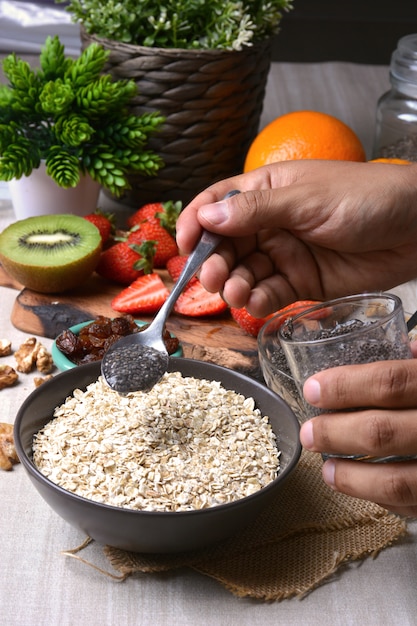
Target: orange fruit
x,y
391,160
304,135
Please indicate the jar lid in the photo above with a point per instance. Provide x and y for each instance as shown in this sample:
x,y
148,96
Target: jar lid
x,y
404,59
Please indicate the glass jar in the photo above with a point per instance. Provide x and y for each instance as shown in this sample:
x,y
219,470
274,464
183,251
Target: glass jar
x,y
396,114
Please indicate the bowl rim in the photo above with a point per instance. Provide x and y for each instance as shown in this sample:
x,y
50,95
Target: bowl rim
x,y
63,363
35,473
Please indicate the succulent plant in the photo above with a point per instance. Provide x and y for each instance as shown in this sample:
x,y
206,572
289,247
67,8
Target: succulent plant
x,y
75,117
208,24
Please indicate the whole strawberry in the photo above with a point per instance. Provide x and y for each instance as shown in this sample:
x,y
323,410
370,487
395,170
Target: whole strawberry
x,y
124,262
104,222
164,213
165,245
175,266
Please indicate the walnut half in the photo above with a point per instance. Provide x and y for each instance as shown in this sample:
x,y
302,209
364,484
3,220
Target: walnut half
x,y
8,376
33,354
8,454
5,347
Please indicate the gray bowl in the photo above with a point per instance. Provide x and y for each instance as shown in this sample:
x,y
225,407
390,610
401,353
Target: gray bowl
x,y
148,531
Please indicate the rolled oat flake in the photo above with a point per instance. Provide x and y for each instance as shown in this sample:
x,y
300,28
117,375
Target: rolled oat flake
x,y
134,367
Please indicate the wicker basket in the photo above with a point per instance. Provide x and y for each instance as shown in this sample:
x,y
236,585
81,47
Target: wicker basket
x,y
212,101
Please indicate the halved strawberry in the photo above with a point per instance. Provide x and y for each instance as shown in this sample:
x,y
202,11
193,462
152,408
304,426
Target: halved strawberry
x,y
295,308
145,295
196,301
252,325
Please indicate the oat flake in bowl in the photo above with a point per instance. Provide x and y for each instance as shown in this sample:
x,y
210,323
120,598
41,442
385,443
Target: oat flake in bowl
x,y
187,444
161,531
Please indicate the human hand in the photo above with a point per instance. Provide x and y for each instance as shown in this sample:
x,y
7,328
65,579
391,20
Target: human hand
x,y
306,230
388,426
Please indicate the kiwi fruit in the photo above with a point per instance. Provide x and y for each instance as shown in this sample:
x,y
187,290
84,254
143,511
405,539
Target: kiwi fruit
x,y
50,253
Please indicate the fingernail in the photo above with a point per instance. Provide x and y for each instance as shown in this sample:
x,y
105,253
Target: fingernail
x,y
215,213
328,472
312,391
306,435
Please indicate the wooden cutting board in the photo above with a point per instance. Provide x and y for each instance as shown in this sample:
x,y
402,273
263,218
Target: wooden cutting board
x,y
216,339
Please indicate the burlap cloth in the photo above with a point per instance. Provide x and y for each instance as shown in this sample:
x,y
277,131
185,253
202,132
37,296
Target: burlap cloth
x,y
294,545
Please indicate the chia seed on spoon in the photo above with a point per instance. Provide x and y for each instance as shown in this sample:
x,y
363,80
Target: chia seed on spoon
x,y
135,366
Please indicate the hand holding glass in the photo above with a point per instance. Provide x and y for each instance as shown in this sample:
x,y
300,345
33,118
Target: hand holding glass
x,y
351,330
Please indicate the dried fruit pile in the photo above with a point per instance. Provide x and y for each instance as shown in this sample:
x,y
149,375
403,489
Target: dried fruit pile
x,y
131,257
95,338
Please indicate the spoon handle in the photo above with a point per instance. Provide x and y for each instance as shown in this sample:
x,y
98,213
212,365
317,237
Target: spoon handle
x,y
207,244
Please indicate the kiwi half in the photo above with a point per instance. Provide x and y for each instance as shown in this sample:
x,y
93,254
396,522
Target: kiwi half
x,y
50,253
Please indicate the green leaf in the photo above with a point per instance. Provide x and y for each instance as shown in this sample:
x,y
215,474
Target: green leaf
x,y
73,116
52,59
73,130
63,167
88,67
18,159
56,97
194,24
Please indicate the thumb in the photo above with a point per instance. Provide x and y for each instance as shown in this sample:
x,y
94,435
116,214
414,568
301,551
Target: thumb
x,y
242,214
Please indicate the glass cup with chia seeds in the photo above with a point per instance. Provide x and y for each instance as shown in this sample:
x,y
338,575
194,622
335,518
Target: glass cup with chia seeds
x,y
355,329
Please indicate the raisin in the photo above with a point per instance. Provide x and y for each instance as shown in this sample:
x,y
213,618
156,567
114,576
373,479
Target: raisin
x,y
95,338
124,325
171,343
68,343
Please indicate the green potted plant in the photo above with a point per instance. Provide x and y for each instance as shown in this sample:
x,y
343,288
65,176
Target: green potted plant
x,y
73,119
203,64
191,24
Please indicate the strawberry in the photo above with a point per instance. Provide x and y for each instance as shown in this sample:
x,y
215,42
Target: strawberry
x,y
252,325
165,244
104,222
147,213
145,295
124,262
295,308
196,301
175,265
164,213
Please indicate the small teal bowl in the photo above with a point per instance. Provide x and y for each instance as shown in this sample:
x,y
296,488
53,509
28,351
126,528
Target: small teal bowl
x,y
63,363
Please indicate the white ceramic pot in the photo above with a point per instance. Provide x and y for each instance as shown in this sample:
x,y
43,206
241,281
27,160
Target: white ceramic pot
x,y
38,194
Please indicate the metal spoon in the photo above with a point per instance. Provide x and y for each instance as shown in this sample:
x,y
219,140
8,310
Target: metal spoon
x,y
137,362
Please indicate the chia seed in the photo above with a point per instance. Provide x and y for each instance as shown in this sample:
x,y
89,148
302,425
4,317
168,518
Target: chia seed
x,y
134,368
376,347
279,360
404,148
357,349
343,341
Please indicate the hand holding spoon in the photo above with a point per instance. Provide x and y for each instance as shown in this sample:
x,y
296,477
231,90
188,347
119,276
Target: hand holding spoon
x,y
137,362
